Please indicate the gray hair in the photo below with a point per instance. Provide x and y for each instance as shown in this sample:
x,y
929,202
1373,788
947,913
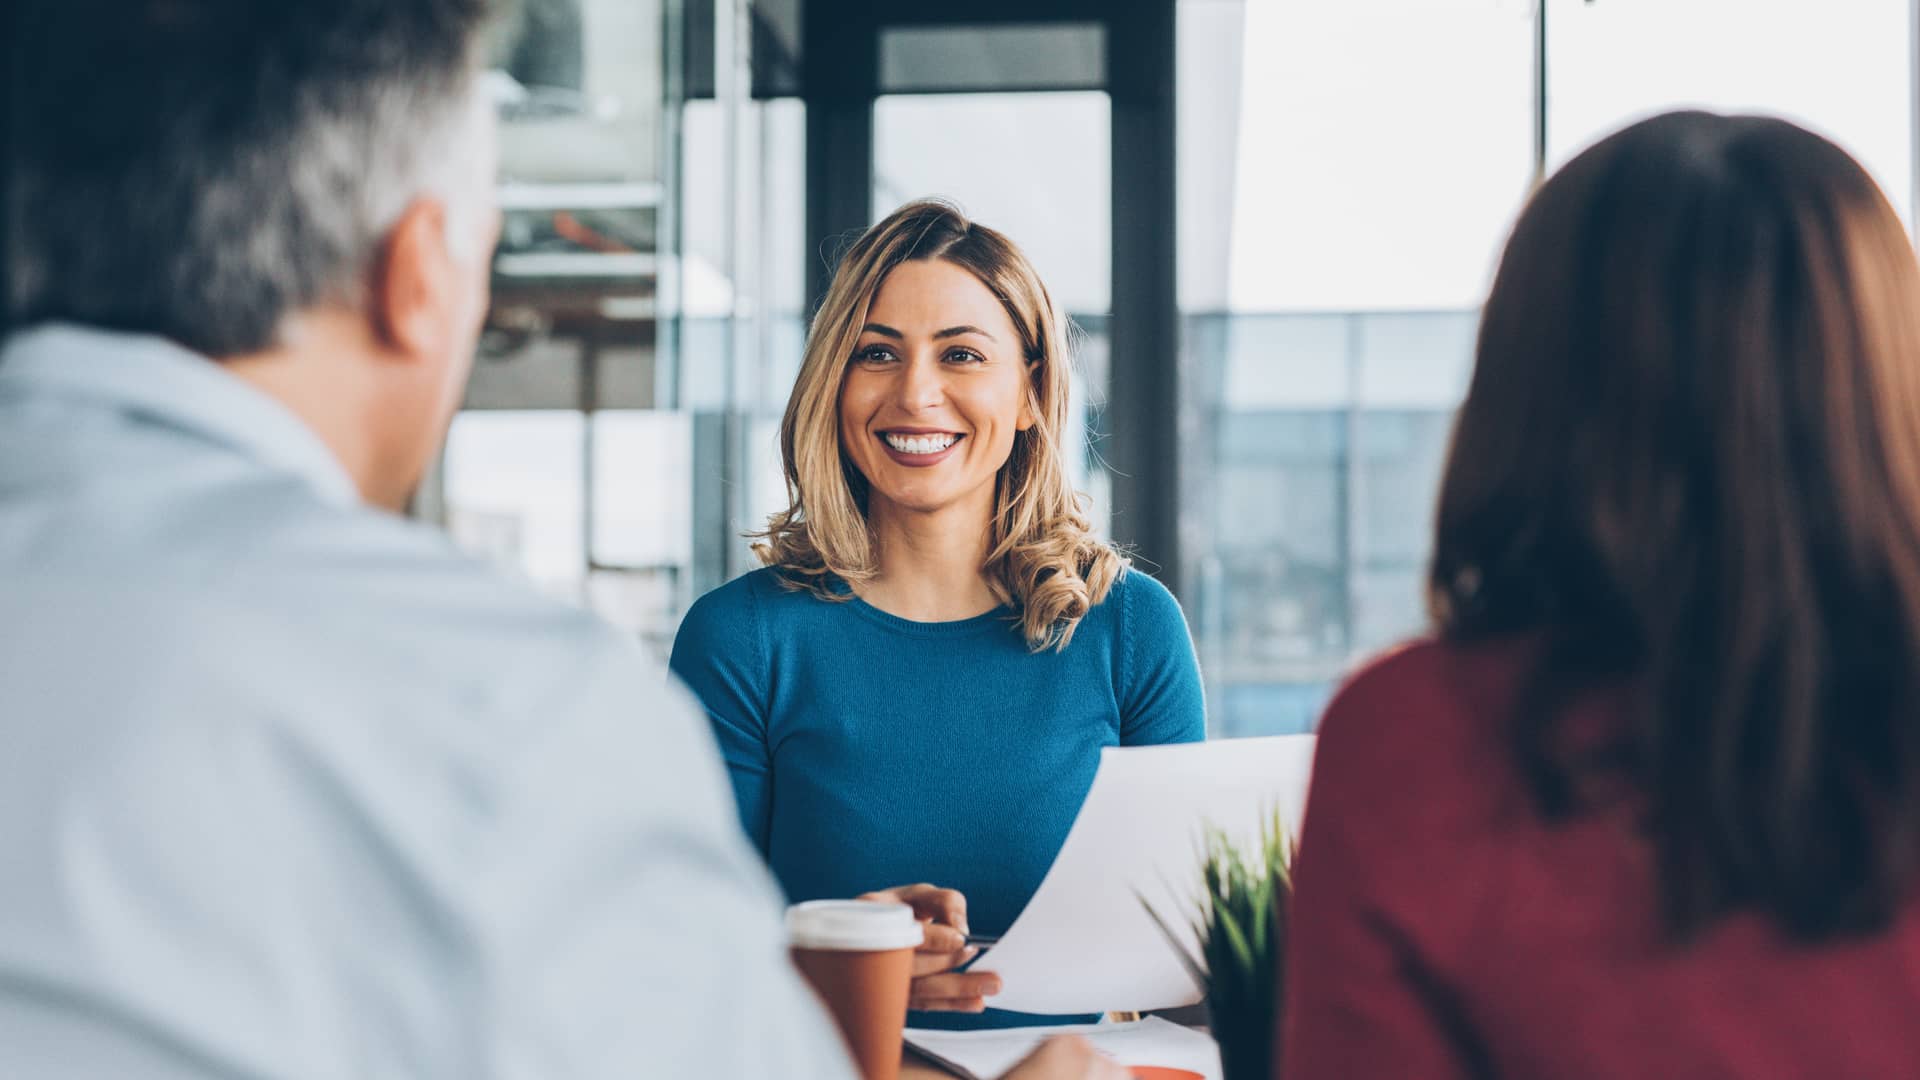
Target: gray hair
x,y
200,169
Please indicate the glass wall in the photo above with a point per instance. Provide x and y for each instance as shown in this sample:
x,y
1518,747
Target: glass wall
x,y
1344,187
1347,175
570,364
619,435
1843,69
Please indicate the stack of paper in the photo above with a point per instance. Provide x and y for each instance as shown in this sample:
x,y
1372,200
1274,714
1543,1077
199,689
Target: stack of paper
x,y
984,1055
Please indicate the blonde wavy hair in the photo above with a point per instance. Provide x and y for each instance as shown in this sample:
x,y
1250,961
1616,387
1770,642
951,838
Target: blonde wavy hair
x,y
1043,559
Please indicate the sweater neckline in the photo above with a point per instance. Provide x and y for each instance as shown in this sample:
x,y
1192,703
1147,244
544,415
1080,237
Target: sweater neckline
x,y
999,617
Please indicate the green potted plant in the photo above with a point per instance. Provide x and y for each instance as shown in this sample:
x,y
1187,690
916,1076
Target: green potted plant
x,y
1240,921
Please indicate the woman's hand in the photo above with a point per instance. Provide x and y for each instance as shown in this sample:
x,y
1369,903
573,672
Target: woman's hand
x,y
1068,1057
943,917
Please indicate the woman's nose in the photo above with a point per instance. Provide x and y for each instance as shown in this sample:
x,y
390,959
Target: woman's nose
x,y
921,384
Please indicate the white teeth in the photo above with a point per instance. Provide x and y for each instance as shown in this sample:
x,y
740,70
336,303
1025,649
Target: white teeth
x,y
920,444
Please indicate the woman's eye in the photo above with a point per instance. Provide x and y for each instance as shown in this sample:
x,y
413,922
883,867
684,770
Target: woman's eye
x,y
874,354
965,356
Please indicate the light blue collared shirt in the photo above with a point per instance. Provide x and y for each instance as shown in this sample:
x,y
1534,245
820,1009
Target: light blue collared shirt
x,y
288,787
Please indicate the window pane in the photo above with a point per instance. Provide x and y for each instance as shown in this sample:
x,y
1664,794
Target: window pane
x,y
1380,153
643,504
1372,158
1034,166
1347,175
648,308
741,326
579,85
514,493
1841,68
1412,371
1041,56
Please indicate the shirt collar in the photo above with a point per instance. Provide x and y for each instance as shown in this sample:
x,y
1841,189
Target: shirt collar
x,y
153,377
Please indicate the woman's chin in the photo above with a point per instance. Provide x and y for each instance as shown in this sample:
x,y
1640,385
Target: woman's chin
x,y
910,504
920,500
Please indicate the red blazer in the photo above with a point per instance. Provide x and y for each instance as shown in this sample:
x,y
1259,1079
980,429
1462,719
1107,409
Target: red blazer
x,y
1442,929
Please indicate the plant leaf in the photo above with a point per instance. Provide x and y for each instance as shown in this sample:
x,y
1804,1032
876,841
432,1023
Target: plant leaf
x,y
1187,960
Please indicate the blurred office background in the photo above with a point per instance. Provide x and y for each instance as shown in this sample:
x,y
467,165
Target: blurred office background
x,y
1272,219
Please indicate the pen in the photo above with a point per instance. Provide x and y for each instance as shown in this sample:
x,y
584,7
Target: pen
x,y
979,943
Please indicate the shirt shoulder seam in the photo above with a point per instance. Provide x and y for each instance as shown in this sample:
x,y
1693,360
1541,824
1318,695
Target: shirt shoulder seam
x,y
764,649
1124,626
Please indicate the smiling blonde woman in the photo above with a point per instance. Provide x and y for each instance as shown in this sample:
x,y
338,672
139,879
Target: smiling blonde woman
x,y
918,685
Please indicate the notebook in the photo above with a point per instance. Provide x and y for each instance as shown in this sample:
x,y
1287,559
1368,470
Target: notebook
x,y
984,1055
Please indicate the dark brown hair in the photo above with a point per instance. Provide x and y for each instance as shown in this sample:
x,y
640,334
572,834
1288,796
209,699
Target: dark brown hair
x,y
1689,463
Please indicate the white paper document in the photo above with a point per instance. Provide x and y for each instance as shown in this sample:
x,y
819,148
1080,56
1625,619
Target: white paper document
x,y
984,1055
1085,943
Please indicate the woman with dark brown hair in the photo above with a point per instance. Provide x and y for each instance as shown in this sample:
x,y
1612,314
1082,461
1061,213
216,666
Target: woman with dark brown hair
x,y
1648,802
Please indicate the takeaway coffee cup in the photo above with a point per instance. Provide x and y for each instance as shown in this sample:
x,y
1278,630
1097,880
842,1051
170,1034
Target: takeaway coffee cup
x,y
858,955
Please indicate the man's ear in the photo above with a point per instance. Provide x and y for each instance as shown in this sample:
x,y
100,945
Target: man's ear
x,y
413,290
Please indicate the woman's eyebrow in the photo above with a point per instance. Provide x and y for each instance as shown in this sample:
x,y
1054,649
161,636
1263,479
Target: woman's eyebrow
x,y
952,331
956,331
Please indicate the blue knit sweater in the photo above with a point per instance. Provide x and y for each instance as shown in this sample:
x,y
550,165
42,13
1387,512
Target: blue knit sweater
x,y
868,750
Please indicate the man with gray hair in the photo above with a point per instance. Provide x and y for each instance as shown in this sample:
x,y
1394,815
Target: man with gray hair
x,y
289,787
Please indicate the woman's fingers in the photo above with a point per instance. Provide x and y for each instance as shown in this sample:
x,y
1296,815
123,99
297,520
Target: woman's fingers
x,y
945,906
967,1005
933,963
942,939
958,984
954,991
943,919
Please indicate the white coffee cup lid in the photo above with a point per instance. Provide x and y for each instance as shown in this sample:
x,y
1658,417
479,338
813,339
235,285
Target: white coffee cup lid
x,y
852,925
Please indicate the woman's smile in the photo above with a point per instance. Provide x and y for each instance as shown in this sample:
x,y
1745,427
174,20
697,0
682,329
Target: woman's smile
x,y
918,448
